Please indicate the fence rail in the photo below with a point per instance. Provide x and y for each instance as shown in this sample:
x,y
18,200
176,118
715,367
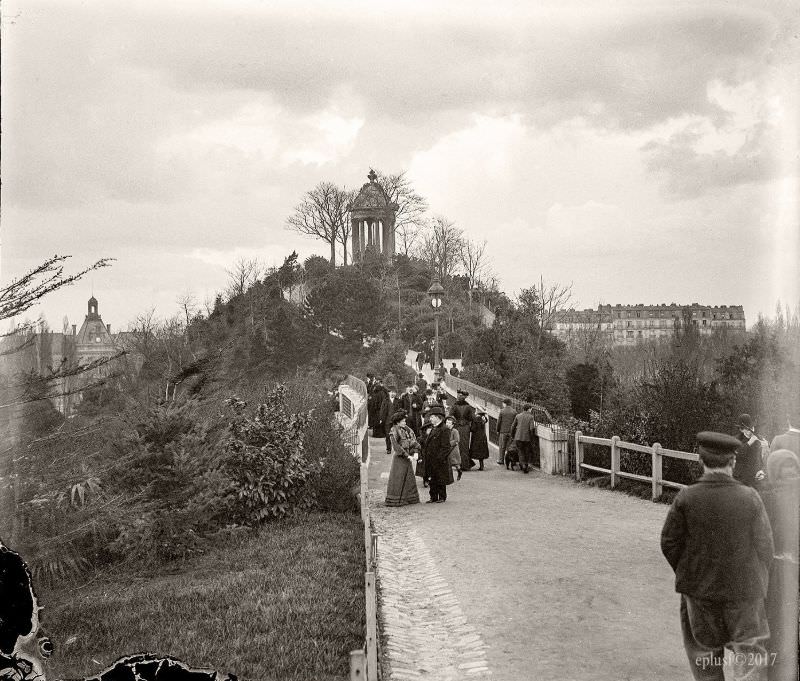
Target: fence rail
x,y
456,383
656,451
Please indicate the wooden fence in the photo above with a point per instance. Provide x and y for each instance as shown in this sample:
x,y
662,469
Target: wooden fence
x,y
656,452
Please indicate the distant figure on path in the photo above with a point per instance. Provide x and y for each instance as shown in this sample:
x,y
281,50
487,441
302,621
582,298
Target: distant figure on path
x,y
422,384
717,539
464,413
748,469
479,444
420,360
523,430
454,370
401,490
504,422
436,453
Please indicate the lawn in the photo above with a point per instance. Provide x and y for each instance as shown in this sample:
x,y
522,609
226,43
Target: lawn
x,y
286,602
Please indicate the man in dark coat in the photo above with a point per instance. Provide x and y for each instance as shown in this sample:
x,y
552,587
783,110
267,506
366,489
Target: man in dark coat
x,y
379,394
464,414
422,384
523,430
391,405
717,539
479,443
412,403
454,370
436,455
505,419
420,360
749,469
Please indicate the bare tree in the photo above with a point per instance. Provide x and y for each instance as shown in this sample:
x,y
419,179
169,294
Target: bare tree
x,y
323,213
15,299
245,273
345,227
188,305
552,299
410,216
472,257
440,246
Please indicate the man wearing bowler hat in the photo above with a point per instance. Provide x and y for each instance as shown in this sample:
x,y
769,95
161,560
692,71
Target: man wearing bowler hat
x,y
718,540
749,468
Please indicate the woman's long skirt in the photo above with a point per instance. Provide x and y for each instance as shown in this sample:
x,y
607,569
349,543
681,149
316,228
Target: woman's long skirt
x,y
402,487
463,444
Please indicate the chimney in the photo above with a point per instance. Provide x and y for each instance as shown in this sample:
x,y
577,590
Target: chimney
x,y
108,327
74,329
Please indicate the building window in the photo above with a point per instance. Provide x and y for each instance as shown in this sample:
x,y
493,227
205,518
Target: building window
x,y
629,334
704,322
638,314
97,339
627,323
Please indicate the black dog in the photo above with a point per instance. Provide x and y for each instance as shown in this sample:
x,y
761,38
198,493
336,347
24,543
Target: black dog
x,y
512,456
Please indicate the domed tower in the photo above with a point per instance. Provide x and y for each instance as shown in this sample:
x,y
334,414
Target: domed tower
x,y
93,341
372,216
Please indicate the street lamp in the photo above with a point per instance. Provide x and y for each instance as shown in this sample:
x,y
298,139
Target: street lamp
x,y
436,292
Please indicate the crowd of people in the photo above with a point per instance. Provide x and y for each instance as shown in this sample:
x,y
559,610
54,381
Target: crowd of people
x,y
437,443
729,537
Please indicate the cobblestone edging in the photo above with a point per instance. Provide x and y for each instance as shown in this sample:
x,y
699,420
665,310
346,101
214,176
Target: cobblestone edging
x,y
426,633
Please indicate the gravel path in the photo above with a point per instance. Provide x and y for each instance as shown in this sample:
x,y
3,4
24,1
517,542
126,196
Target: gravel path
x,y
545,579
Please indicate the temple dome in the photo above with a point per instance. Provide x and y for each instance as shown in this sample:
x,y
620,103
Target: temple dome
x,y
371,195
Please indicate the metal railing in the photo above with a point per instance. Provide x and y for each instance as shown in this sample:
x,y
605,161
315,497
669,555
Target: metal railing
x,y
354,435
364,661
656,452
541,415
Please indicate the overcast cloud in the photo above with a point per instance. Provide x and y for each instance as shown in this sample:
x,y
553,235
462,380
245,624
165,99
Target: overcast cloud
x,y
645,151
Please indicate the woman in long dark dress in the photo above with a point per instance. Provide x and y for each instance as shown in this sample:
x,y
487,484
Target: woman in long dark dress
x,y
478,444
401,489
464,413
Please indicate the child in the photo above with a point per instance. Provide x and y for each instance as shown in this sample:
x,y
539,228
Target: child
x,y
455,451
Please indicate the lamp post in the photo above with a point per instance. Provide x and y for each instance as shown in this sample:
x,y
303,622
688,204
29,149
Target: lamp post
x,y
436,292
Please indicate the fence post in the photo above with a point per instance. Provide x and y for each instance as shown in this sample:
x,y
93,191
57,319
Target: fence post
x,y
658,475
614,460
373,550
372,626
357,663
578,455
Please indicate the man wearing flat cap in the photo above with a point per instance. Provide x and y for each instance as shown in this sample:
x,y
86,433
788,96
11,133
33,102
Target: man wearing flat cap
x,y
718,540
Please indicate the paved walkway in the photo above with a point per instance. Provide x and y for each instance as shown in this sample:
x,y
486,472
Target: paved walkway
x,y
524,578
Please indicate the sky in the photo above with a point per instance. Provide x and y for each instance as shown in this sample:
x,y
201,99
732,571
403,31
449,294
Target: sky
x,y
645,152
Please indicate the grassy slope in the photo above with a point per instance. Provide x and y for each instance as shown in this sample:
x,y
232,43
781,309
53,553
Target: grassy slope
x,y
285,603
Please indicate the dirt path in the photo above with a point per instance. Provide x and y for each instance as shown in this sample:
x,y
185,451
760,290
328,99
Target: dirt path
x,y
561,581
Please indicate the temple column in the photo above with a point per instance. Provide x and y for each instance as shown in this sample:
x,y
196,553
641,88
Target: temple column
x,y
354,239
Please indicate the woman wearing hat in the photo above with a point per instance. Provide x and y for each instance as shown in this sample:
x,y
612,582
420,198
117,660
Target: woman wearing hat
x,y
464,414
479,444
401,489
436,452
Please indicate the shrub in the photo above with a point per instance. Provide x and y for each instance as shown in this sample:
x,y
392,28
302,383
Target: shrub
x,y
390,358
264,458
